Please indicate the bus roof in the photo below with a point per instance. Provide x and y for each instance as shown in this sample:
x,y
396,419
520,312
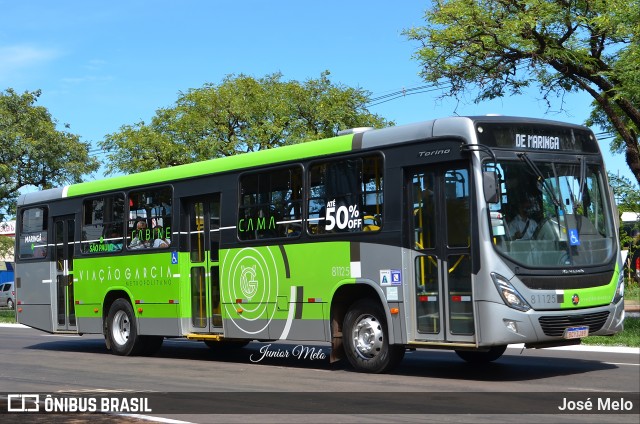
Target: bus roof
x,y
452,126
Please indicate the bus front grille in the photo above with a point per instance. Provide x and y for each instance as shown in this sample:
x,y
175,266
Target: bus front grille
x,y
556,324
567,282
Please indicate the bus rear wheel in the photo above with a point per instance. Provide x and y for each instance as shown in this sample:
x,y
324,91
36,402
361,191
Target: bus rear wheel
x,y
366,341
482,357
122,331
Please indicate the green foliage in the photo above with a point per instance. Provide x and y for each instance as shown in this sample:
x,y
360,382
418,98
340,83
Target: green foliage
x,y
626,193
34,153
501,47
241,114
6,246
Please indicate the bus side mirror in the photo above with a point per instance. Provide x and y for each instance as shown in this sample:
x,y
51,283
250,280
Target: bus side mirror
x,y
490,185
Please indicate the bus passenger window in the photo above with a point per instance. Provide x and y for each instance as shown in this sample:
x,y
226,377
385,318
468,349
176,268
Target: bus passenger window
x,y
270,204
33,234
102,224
149,221
346,196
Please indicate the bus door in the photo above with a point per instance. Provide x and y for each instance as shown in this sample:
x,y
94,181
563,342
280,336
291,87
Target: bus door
x,y
204,240
63,242
439,205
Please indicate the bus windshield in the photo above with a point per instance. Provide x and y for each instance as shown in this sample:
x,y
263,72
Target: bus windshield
x,y
552,214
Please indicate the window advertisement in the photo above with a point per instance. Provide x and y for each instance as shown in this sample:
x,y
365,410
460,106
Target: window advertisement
x,y
149,221
346,196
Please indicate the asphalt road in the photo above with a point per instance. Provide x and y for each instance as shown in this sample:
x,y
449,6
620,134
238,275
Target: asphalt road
x,y
188,382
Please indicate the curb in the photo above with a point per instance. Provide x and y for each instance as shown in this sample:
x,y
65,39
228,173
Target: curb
x,y
631,306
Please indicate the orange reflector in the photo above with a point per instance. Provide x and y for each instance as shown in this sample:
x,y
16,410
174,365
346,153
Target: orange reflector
x,y
139,310
19,310
394,311
96,310
239,310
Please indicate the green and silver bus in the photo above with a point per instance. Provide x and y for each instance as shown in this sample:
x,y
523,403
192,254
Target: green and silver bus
x,y
375,241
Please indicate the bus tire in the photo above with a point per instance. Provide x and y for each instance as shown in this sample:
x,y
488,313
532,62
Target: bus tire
x,y
366,341
122,331
482,357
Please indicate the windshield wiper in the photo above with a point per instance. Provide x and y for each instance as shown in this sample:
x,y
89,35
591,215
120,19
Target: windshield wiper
x,y
583,178
557,203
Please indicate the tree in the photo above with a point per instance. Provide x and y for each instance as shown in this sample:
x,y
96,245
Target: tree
x,y
242,114
6,246
626,193
500,47
34,153
627,197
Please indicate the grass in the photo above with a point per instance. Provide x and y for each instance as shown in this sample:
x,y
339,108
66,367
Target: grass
x,y
631,290
7,316
629,337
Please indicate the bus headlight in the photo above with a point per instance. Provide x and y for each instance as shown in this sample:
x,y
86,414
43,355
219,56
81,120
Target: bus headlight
x,y
509,294
619,290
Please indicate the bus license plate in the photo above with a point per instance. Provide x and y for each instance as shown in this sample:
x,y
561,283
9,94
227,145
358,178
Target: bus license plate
x,y
576,332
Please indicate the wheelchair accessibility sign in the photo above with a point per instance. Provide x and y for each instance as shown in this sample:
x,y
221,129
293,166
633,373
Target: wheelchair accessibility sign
x,y
390,277
574,239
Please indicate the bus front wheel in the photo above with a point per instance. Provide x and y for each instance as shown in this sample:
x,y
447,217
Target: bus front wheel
x,y
481,357
365,339
122,331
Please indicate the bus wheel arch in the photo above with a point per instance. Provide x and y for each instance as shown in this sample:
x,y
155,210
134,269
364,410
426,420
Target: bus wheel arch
x,y
357,318
365,338
122,329
109,298
341,301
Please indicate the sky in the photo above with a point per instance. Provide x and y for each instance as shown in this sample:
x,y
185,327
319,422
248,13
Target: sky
x,y
102,65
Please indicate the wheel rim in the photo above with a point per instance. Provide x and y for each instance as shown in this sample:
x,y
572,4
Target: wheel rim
x,y
367,337
121,328
10,304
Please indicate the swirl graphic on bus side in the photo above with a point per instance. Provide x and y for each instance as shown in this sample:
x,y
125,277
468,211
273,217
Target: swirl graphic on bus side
x,y
248,282
251,286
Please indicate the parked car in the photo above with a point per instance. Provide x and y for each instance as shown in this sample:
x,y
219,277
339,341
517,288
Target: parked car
x,y
7,295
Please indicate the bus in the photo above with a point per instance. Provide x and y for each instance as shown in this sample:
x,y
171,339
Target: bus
x,y
374,241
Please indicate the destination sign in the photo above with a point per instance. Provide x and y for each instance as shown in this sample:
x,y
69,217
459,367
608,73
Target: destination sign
x,y
539,138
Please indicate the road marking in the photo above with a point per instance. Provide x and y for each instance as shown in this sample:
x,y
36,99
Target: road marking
x,y
588,348
155,419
